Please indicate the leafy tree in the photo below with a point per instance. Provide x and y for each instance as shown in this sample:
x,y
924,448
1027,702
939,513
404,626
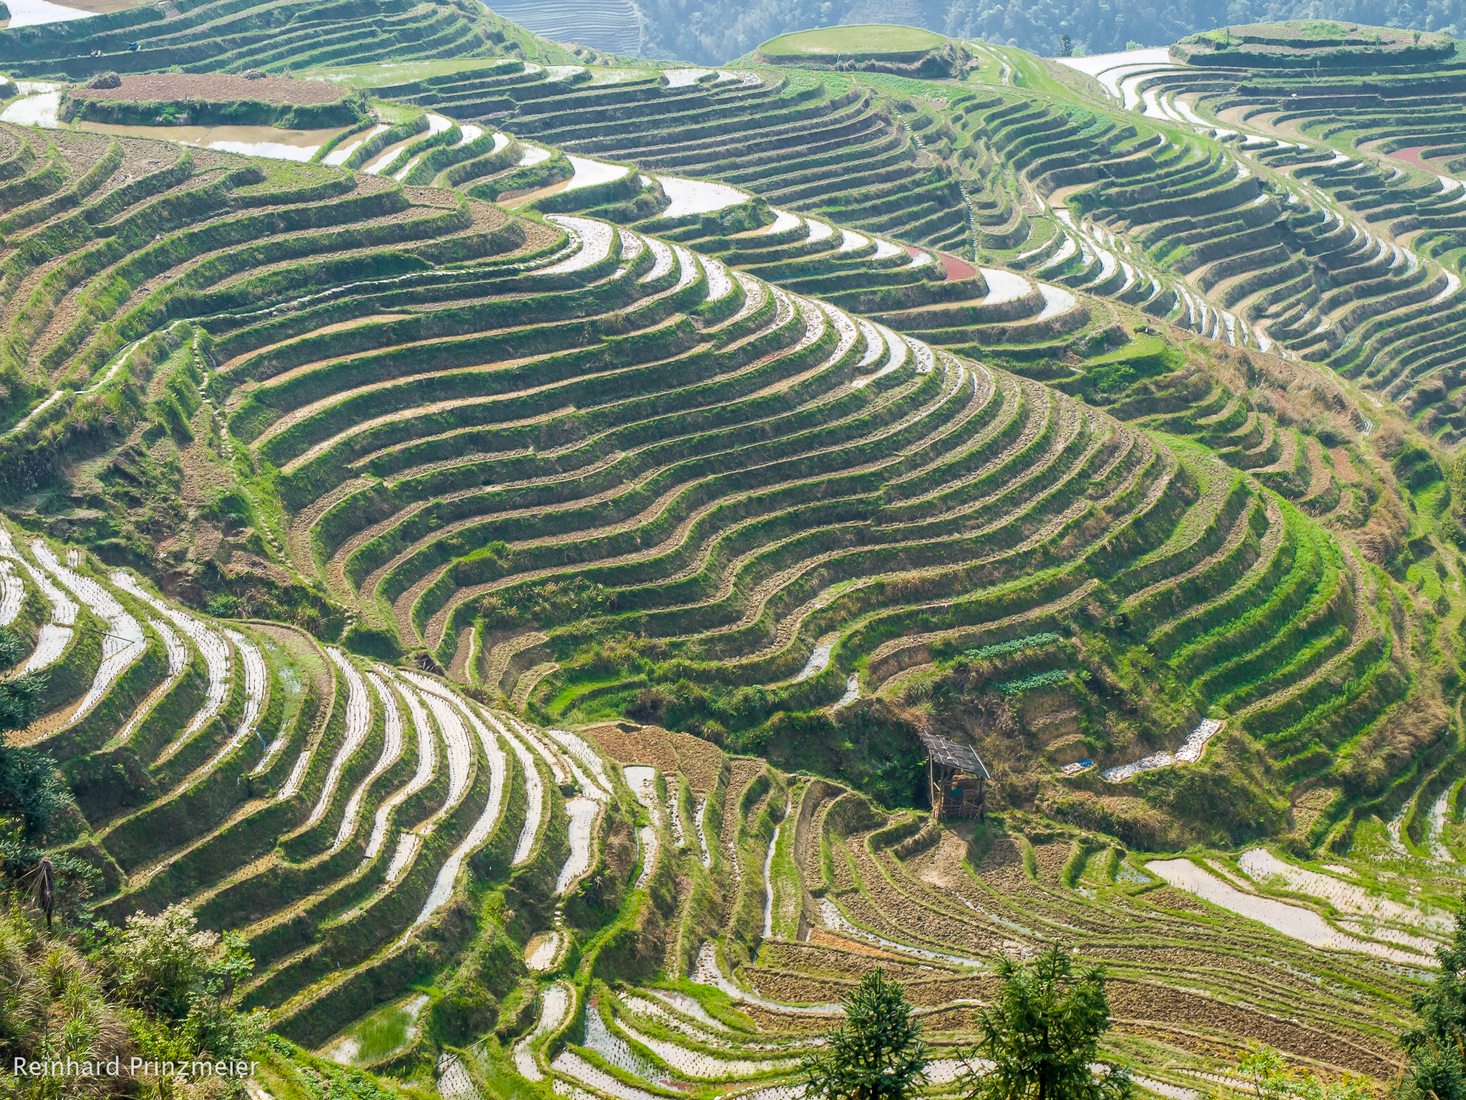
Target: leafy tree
x,y
1436,1046
876,1054
1040,1036
181,980
20,697
1268,1077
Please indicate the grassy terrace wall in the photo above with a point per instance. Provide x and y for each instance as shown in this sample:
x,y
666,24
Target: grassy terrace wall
x,y
928,296
590,471
374,829
792,889
786,130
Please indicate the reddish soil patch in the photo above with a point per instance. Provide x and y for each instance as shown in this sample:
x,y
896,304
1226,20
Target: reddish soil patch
x,y
1411,155
217,88
955,268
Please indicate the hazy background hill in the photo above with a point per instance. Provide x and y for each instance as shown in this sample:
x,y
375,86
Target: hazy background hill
x,y
715,31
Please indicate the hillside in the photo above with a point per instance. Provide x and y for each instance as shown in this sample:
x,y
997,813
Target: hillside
x,y
369,826
497,522
710,32
782,529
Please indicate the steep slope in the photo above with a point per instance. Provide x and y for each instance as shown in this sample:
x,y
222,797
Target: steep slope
x,y
901,162
1368,138
627,908
1260,413
769,895
329,807
802,457
571,463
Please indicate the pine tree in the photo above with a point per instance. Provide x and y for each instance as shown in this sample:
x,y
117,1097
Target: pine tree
x,y
1040,1037
876,1054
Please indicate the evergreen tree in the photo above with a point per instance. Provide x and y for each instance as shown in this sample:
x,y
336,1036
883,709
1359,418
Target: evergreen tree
x,y
31,794
1040,1037
876,1054
1436,1046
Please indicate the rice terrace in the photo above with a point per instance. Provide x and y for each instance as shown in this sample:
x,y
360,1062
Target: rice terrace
x,y
534,563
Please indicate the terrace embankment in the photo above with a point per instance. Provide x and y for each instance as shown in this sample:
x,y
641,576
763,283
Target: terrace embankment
x,y
333,809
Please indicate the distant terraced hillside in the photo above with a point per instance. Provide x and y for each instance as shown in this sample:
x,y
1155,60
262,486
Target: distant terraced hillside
x,y
1374,133
611,25
1239,239
1345,261
230,36
786,139
556,406
1105,353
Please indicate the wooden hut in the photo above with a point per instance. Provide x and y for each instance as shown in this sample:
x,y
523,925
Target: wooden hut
x,y
957,778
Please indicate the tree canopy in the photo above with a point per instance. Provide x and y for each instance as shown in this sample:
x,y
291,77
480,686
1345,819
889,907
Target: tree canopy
x,y
1436,1046
32,795
159,988
1268,1077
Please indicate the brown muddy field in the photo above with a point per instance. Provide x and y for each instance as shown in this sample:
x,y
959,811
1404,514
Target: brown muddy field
x,y
219,88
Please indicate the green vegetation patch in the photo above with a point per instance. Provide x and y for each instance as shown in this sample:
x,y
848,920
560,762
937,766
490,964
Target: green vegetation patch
x,y
1315,42
862,40
879,47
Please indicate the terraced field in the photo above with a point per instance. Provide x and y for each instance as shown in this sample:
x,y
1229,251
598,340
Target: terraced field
x,y
817,886
1034,324
331,807
622,465
1304,232
611,25
352,813
229,36
563,409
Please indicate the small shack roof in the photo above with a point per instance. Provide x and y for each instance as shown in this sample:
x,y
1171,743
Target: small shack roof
x,y
942,750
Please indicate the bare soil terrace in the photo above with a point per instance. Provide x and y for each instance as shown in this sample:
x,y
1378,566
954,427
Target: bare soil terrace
x,y
218,88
